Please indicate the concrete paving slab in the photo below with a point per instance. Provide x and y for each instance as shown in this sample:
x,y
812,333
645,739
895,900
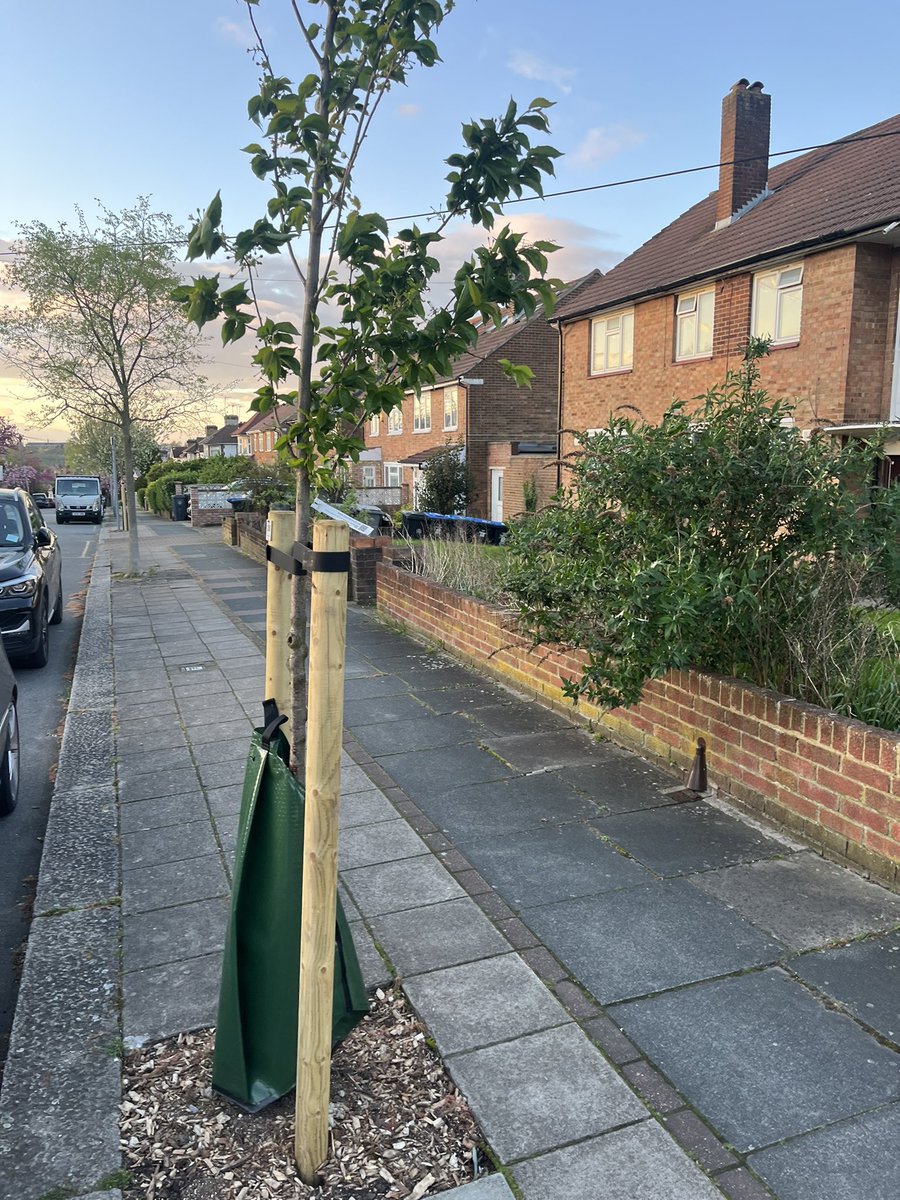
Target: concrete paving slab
x,y
390,887
61,1088
649,938
167,810
174,934
373,687
211,724
803,900
388,841
853,1160
228,751
438,935
424,732
638,1163
175,998
365,808
147,743
401,707
463,698
223,774
543,751
149,847
684,838
517,718
479,1003
542,1090
435,673
756,1056
170,781
146,762
143,723
864,977
551,863
354,779
485,810
621,782
224,800
165,884
428,773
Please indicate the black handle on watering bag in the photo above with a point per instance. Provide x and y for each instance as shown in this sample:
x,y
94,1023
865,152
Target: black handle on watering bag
x,y
272,722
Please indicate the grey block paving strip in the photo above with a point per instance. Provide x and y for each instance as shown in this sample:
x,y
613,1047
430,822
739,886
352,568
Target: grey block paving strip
x,y
518,876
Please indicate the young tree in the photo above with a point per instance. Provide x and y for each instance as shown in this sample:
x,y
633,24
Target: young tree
x,y
101,338
384,339
446,485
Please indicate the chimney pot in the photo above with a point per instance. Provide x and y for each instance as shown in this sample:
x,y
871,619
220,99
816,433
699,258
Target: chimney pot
x,y
210,430
744,148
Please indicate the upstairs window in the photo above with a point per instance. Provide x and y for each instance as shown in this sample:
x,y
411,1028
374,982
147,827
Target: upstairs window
x,y
612,343
422,413
694,324
374,425
451,408
395,420
777,304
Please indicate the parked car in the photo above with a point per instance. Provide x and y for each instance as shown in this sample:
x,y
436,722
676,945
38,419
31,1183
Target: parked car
x,y
42,500
78,498
9,737
31,591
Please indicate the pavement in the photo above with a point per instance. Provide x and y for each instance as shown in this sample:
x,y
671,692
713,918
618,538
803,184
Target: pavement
x,y
642,996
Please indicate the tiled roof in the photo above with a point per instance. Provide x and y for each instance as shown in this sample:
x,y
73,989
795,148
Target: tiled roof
x,y
491,340
817,198
222,437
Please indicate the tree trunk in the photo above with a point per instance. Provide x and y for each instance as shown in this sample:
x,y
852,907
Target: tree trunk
x,y
134,554
299,638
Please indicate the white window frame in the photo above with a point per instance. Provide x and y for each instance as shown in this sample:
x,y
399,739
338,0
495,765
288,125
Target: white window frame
x,y
782,288
375,426
393,475
368,475
615,327
687,304
422,412
395,421
451,409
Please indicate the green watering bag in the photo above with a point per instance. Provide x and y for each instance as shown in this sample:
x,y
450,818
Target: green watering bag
x,y
256,1034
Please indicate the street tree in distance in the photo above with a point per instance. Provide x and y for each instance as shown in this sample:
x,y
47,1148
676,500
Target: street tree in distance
x,y
367,332
89,450
100,337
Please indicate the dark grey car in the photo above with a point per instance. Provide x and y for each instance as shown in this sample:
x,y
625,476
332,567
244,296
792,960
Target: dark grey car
x,y
9,738
31,593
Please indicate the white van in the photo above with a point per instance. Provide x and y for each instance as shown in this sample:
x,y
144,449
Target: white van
x,y
78,498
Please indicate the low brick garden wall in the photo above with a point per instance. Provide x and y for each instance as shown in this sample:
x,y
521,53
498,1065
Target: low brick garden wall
x,y
831,780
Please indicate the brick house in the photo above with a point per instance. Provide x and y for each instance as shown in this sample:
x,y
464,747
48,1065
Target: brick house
x,y
807,254
257,436
509,434
221,443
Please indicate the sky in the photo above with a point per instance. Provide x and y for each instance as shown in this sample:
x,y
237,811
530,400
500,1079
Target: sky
x,y
113,99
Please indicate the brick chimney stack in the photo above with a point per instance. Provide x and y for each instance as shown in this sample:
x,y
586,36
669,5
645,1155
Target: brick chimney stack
x,y
210,430
745,135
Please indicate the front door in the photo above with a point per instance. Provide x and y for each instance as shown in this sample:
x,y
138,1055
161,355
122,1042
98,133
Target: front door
x,y
496,494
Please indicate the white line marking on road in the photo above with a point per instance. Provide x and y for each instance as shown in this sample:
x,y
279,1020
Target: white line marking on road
x,y
87,546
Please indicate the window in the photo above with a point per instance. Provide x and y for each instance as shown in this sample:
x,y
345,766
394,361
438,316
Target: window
x,y
422,413
612,343
392,474
395,420
694,324
368,476
451,408
374,425
777,301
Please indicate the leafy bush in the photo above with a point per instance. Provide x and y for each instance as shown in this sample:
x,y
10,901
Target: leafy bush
x,y
445,487
719,539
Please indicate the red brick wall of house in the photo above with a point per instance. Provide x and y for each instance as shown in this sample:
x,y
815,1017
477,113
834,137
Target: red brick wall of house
x,y
871,335
819,373
517,468
834,781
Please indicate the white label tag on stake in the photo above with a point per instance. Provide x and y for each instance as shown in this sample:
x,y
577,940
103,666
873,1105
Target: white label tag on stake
x,y
268,529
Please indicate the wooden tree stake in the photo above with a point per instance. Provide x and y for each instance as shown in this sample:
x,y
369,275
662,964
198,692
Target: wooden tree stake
x,y
327,635
280,535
